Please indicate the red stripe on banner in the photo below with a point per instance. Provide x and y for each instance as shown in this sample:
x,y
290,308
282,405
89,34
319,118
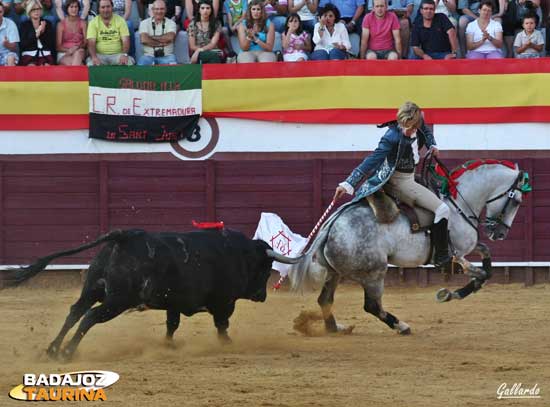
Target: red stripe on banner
x,y
44,74
375,68
44,121
376,116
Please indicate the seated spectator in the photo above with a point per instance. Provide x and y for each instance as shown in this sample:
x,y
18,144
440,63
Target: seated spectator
x,y
192,8
447,7
296,41
330,36
204,36
48,12
71,36
529,42
380,38
470,11
108,38
124,9
434,36
61,9
256,35
174,9
307,10
350,11
9,37
37,37
14,9
403,9
157,34
277,11
235,11
512,21
484,35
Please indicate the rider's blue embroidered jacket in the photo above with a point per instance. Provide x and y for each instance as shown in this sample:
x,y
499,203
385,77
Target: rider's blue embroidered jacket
x,y
394,152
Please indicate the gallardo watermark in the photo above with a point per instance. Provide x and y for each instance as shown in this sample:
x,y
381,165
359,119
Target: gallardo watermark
x,y
518,391
86,385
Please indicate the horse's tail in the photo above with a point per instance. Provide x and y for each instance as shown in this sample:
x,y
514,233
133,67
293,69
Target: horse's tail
x,y
308,272
15,276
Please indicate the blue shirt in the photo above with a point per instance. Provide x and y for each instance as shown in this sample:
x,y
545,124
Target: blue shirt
x,y
262,35
8,29
347,8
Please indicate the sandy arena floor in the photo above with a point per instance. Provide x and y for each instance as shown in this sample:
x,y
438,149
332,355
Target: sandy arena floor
x,y
458,355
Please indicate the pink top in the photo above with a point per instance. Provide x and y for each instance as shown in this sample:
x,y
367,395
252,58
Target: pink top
x,y
70,39
295,40
380,30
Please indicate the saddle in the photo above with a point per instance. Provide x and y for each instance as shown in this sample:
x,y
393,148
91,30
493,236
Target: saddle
x,y
386,209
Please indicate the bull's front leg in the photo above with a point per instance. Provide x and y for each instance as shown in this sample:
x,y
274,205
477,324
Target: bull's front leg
x,y
479,276
221,314
172,324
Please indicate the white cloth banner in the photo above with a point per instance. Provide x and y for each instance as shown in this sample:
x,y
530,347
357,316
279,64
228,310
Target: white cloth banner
x,y
273,230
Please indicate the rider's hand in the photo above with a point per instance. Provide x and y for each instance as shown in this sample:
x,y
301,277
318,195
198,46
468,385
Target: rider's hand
x,y
340,192
435,151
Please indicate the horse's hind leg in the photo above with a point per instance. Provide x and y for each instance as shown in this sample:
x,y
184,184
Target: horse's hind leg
x,y
373,305
326,299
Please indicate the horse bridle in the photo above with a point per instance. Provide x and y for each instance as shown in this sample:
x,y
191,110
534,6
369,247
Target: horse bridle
x,y
520,184
492,222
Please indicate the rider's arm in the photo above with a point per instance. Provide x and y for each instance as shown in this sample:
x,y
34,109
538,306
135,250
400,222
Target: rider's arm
x,y
374,160
428,135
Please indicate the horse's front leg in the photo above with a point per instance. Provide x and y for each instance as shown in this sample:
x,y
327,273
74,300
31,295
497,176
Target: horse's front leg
x,y
479,276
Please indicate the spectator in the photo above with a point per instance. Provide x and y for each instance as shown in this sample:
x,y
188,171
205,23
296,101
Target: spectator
x,y
307,10
37,37
235,10
108,38
204,36
61,9
157,34
71,36
13,10
470,11
513,19
9,38
350,12
529,42
403,9
381,38
174,9
192,8
434,36
484,35
276,11
48,11
447,7
296,41
330,36
256,35
124,8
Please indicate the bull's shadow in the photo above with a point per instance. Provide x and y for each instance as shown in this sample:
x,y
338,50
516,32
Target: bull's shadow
x,y
182,273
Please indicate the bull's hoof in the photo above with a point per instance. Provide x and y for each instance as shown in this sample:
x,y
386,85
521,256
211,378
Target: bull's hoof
x,y
225,339
443,295
52,352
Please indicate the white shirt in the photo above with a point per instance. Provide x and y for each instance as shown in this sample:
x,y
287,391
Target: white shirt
x,y
326,42
146,26
493,28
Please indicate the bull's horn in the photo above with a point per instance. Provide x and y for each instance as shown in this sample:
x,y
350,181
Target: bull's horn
x,y
283,259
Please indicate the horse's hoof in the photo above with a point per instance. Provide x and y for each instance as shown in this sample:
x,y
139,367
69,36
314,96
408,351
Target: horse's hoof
x,y
225,339
406,331
343,329
52,352
443,295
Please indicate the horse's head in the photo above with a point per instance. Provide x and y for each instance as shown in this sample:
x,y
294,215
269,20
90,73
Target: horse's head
x,y
502,209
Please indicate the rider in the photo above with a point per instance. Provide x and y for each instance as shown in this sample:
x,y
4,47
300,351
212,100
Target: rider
x,y
392,166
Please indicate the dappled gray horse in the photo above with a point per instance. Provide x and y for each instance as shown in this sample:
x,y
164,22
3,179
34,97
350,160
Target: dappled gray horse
x,y
353,245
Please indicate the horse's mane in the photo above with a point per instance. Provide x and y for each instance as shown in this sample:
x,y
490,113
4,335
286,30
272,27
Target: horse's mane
x,y
449,181
473,164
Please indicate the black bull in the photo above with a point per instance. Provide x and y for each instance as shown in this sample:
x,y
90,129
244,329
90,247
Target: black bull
x,y
182,273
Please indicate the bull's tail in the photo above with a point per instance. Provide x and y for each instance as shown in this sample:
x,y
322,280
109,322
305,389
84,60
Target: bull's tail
x,y
16,276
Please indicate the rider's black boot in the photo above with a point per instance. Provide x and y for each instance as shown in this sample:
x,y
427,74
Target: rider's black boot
x,y
440,236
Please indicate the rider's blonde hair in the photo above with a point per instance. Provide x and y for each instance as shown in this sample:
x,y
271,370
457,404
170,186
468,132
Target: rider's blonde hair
x,y
409,115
